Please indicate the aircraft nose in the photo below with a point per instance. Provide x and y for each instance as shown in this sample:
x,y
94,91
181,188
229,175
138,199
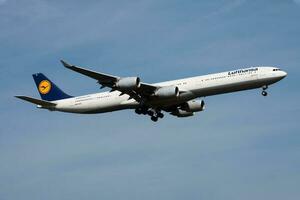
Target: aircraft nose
x,y
283,74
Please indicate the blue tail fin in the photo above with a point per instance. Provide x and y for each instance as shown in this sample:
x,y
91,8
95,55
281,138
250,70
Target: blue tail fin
x,y
47,89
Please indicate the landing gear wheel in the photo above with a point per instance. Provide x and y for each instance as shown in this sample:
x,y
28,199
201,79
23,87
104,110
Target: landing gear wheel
x,y
160,115
138,111
153,118
144,111
150,112
264,93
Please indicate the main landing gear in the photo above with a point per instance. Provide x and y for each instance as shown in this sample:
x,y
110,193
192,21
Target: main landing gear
x,y
155,114
264,92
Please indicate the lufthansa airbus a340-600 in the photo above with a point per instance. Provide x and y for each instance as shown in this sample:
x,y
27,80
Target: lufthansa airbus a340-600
x,y
181,98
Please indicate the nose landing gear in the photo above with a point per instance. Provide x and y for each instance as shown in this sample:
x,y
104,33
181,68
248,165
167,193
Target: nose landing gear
x,y
264,92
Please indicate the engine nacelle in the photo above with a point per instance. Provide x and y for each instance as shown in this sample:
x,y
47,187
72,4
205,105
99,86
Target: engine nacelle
x,y
128,83
182,113
194,106
167,92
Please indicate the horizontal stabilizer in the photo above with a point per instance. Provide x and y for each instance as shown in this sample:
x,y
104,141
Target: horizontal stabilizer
x,y
42,103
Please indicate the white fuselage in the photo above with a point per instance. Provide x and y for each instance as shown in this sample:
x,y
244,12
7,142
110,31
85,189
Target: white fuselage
x,y
190,88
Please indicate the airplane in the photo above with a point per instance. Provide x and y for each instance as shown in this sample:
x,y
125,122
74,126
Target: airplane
x,y
181,98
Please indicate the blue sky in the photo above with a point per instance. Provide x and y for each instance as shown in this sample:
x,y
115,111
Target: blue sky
x,y
243,146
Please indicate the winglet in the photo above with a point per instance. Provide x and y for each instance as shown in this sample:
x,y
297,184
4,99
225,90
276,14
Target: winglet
x,y
67,65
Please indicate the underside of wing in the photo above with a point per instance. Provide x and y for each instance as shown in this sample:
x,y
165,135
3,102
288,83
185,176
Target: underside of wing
x,y
147,89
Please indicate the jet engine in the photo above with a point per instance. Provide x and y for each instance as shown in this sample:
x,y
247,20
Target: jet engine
x,y
167,92
128,83
182,113
194,106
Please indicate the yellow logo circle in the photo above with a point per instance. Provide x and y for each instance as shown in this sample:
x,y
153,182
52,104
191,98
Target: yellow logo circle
x,y
44,87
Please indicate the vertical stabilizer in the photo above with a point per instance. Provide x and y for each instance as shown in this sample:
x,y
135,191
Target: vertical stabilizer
x,y
47,89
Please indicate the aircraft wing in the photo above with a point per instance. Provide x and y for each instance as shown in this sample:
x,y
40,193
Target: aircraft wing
x,y
106,80
103,79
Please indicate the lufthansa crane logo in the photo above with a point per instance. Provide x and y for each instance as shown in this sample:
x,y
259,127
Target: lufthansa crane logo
x,y
44,87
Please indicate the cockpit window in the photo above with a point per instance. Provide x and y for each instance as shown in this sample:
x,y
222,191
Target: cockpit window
x,y
276,70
